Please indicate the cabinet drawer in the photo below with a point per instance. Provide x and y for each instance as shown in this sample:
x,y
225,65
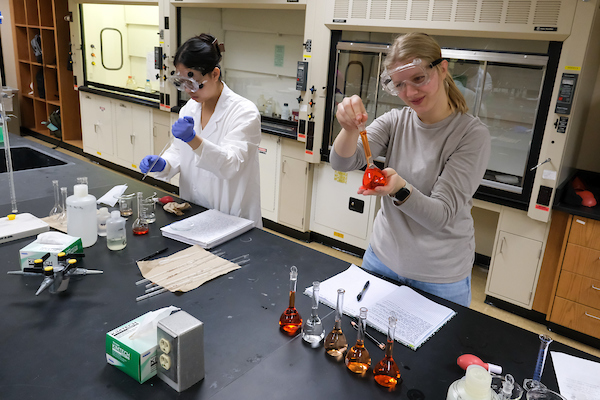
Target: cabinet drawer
x,y
582,261
579,288
585,232
576,316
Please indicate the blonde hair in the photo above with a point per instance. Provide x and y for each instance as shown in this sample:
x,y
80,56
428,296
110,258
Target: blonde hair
x,y
420,45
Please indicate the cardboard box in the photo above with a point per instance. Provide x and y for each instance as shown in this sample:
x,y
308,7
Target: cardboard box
x,y
137,357
35,250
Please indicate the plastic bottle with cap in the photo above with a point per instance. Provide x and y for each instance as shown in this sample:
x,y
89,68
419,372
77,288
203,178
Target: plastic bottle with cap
x,y
116,236
285,112
82,220
103,216
475,385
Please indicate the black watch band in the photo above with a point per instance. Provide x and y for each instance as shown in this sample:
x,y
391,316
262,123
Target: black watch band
x,y
402,195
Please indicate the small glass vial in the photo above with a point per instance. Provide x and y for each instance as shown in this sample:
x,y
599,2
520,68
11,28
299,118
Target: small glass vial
x,y
312,330
336,343
103,216
358,359
57,210
290,321
139,226
386,372
116,236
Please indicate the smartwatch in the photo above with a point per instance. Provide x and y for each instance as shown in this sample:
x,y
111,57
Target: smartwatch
x,y
402,195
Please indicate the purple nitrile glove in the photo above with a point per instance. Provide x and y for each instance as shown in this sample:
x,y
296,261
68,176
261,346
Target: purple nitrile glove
x,y
149,160
183,129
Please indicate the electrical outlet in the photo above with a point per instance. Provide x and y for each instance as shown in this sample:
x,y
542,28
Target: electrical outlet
x,y
164,345
180,350
165,361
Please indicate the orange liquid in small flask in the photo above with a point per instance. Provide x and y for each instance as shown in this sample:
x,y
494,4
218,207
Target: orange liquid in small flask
x,y
335,343
290,321
139,227
358,359
373,176
386,372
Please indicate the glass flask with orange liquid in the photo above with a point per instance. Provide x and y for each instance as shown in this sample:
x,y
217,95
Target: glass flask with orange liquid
x,y
358,359
386,372
335,342
290,321
373,176
139,226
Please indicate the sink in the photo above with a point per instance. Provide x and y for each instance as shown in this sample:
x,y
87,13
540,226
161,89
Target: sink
x,y
24,158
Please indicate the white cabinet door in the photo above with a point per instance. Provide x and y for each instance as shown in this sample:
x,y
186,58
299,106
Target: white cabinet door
x,y
96,125
142,134
292,196
123,132
513,273
269,156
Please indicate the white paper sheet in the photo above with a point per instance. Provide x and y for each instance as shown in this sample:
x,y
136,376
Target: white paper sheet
x,y
578,379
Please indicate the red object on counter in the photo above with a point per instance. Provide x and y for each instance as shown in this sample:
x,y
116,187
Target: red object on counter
x,y
468,359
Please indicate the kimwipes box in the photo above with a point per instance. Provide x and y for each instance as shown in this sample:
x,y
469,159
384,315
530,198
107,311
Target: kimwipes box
x,y
136,357
132,347
49,243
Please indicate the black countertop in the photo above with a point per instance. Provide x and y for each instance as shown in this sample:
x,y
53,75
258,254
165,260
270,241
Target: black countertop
x,y
54,345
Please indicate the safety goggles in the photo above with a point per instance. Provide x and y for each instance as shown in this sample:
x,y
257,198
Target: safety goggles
x,y
183,83
416,74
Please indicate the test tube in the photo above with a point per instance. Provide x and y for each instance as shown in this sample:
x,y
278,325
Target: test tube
x,y
541,358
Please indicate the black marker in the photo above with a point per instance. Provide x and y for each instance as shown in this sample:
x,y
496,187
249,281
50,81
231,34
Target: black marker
x,y
362,292
152,255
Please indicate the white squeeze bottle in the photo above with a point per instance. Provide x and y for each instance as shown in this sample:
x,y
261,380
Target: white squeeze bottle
x,y
116,236
475,385
81,215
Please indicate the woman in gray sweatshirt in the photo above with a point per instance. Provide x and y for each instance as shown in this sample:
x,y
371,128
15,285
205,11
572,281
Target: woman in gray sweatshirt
x,y
435,157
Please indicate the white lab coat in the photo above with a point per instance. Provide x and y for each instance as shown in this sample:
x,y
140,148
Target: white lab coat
x,y
223,173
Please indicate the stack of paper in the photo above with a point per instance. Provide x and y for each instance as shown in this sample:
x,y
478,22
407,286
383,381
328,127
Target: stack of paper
x,y
207,229
418,317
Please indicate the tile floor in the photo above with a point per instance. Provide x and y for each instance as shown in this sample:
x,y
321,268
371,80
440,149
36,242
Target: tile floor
x,y
478,282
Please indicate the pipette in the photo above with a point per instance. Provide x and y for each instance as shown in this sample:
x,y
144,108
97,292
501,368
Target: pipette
x,y
9,166
159,156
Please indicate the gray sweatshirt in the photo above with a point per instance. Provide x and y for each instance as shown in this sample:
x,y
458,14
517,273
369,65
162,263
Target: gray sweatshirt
x,y
430,237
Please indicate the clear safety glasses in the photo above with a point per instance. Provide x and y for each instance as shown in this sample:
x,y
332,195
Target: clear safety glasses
x,y
183,83
416,74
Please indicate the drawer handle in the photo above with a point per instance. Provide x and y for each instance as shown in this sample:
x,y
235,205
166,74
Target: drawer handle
x,y
596,288
593,316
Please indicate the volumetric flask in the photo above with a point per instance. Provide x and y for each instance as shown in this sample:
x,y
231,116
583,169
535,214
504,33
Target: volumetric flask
x,y
358,359
126,204
335,343
290,321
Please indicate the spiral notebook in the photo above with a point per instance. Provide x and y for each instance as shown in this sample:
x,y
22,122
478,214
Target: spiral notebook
x,y
207,229
418,317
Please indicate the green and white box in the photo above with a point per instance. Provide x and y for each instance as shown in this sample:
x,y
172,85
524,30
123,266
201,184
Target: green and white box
x,y
136,357
35,250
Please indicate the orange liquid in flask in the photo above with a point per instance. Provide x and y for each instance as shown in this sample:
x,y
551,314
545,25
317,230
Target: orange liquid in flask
x,y
373,176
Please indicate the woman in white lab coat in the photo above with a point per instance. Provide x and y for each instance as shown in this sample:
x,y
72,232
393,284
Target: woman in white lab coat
x,y
215,149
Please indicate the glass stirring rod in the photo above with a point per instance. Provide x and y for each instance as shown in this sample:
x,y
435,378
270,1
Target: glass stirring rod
x,y
159,156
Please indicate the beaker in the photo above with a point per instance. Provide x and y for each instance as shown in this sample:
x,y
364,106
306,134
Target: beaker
x,y
147,210
139,226
126,204
358,359
335,343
